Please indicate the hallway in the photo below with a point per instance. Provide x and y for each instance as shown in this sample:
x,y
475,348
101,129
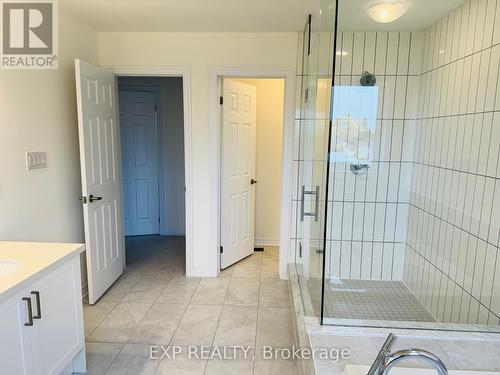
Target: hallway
x,y
153,303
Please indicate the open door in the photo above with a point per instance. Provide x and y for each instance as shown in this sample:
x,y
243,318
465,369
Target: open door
x,y
238,171
101,176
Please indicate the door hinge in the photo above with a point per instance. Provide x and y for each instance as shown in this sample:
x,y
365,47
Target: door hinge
x,y
221,100
156,108
221,249
159,219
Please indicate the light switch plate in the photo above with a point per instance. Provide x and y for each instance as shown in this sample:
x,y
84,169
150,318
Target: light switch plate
x,y
36,160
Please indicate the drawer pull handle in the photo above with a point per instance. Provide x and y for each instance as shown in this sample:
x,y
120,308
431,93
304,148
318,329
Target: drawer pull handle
x,y
30,313
38,307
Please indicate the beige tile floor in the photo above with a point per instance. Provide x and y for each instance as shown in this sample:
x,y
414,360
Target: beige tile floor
x,y
153,303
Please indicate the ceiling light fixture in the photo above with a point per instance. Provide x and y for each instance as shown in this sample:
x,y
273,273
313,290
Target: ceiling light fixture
x,y
387,11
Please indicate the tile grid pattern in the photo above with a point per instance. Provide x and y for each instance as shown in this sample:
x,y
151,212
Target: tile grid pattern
x,y
154,304
452,262
371,300
368,213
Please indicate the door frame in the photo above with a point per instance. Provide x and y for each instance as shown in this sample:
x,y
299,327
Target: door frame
x,y
185,73
215,74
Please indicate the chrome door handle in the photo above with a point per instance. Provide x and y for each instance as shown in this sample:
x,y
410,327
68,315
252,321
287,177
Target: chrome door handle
x,y
29,323
38,305
316,208
92,198
253,182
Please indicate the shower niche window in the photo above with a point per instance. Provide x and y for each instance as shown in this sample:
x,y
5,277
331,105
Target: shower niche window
x,y
398,136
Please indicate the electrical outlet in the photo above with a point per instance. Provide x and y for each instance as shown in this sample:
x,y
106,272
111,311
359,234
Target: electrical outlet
x,y
36,160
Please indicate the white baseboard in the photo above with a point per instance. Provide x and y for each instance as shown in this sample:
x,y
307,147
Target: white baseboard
x,y
266,242
173,232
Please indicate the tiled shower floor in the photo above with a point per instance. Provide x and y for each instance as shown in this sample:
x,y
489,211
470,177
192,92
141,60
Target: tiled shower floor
x,y
369,300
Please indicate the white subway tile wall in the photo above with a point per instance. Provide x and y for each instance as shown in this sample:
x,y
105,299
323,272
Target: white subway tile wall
x,y
367,214
427,212
452,249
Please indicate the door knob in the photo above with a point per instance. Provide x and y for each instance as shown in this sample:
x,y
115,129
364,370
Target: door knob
x,y
253,182
92,198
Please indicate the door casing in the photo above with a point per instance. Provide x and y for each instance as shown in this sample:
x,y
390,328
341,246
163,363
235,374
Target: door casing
x,y
185,73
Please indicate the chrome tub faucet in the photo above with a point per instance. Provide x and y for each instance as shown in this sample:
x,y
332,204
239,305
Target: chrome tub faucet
x,y
386,360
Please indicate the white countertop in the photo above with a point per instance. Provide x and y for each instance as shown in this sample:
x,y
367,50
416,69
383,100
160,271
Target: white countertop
x,y
30,260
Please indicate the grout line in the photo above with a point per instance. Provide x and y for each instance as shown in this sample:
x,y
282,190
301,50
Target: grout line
x,y
453,281
456,226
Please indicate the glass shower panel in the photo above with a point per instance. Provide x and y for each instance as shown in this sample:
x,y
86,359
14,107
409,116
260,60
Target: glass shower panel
x,y
412,230
371,167
316,81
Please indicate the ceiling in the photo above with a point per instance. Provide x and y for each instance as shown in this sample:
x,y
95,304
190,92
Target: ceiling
x,y
420,15
193,15
244,15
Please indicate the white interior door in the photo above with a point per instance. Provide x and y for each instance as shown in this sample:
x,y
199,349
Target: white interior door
x,y
101,176
139,162
237,171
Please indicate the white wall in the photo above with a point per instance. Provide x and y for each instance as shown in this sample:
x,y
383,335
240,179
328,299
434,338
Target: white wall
x,y
38,113
199,51
270,106
171,158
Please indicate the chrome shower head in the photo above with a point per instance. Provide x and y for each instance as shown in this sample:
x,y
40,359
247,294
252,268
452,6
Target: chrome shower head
x,y
368,79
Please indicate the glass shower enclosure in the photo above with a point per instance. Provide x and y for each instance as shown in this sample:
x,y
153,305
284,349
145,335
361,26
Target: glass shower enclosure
x,y
396,202
312,131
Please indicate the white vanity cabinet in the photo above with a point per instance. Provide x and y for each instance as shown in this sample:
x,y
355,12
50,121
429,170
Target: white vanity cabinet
x,y
49,339
15,343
